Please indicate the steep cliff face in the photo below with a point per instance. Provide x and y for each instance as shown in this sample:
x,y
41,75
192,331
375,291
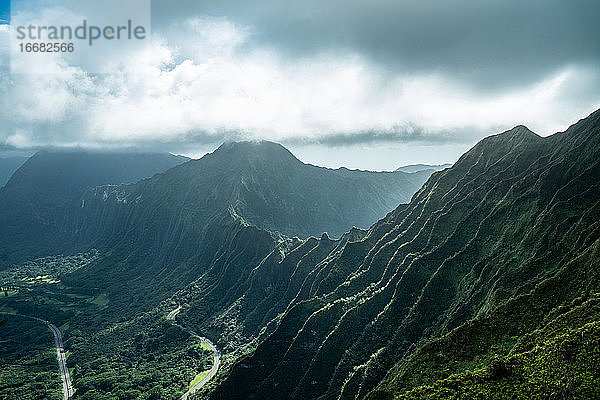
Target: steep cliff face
x,y
43,191
515,211
181,223
263,184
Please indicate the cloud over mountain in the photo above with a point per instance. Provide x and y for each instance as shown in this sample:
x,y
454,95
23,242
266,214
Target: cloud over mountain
x,y
336,75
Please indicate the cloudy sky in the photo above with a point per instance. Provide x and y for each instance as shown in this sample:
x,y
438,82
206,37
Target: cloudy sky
x,y
366,84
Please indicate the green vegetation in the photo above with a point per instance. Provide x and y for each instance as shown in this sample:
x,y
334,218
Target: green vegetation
x,y
28,365
486,284
198,378
479,258
132,359
561,366
101,300
205,345
42,271
121,361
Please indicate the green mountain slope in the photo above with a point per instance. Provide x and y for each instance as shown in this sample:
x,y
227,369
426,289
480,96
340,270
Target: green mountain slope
x,y
198,230
477,286
34,202
559,359
265,185
217,217
512,213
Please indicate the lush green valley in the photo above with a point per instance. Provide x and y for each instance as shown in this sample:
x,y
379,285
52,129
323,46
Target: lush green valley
x,y
299,200
190,237
484,285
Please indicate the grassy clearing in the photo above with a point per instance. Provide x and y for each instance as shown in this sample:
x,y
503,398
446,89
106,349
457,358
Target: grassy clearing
x,y
198,378
205,345
101,300
40,279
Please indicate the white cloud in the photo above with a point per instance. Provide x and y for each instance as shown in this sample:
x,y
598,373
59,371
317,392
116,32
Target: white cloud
x,y
201,78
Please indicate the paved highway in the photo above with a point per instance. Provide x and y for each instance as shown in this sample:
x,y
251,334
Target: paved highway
x,y
216,355
60,355
173,314
62,362
62,359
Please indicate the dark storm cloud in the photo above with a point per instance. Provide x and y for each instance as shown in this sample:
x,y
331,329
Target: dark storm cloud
x,y
489,44
411,133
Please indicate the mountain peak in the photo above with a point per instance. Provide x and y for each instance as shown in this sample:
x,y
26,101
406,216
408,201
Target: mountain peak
x,y
519,131
251,145
495,147
255,150
511,138
268,187
255,153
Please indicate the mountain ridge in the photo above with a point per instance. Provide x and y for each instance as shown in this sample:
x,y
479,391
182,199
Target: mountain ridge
x,y
8,165
260,180
40,192
189,219
433,265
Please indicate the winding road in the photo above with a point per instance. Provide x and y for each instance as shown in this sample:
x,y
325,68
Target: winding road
x,y
62,359
60,354
216,355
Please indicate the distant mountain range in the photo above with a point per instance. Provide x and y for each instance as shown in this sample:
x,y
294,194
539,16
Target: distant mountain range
x,y
423,167
259,182
180,220
263,184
